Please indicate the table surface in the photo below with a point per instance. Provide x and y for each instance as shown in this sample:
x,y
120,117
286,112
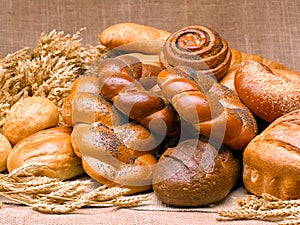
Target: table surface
x,y
268,28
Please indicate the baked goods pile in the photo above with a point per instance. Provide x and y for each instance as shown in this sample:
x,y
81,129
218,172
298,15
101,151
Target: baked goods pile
x,y
181,113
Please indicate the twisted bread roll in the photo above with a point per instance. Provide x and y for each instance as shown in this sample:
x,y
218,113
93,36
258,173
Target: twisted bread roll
x,y
272,159
213,109
134,37
113,151
110,160
198,47
118,78
268,93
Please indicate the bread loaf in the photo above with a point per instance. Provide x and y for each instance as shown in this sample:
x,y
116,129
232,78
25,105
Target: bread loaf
x,y
194,173
272,159
268,93
51,147
134,37
29,115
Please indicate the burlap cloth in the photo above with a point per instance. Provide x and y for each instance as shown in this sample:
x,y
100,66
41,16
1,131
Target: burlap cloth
x,y
268,28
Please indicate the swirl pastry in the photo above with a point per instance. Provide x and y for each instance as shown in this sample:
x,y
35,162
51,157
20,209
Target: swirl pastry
x,y
198,47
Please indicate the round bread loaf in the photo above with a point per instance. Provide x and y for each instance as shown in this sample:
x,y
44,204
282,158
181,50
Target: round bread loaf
x,y
194,173
272,159
268,93
29,115
53,148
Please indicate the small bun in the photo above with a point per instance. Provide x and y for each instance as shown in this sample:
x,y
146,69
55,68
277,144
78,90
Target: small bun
x,y
194,173
29,115
5,149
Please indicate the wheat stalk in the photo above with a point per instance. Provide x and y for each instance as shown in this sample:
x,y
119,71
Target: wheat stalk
x,y
266,207
50,195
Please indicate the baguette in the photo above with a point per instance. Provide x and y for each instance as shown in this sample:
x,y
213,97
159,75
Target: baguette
x,y
134,37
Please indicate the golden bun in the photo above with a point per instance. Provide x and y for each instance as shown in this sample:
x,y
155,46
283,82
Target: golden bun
x,y
28,116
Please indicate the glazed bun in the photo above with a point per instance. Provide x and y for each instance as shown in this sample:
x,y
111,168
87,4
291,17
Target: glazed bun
x,y
194,173
268,93
272,159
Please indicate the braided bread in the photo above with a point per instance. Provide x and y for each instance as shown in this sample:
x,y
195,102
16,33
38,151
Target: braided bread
x,y
211,108
119,83
113,150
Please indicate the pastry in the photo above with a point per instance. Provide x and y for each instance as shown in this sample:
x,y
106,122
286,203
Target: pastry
x,y
198,47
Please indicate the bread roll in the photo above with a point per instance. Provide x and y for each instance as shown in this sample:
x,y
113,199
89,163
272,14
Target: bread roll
x,y
5,149
194,173
134,37
53,148
117,157
28,116
214,110
268,93
272,159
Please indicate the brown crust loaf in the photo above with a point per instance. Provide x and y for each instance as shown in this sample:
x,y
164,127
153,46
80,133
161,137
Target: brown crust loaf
x,y
268,93
272,159
194,173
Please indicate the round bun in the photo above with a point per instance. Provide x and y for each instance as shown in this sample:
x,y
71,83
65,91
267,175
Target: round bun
x,y
28,116
272,159
52,148
194,173
5,149
268,93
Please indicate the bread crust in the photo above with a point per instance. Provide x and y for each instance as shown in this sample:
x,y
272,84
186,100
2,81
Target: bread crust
x,y
272,159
